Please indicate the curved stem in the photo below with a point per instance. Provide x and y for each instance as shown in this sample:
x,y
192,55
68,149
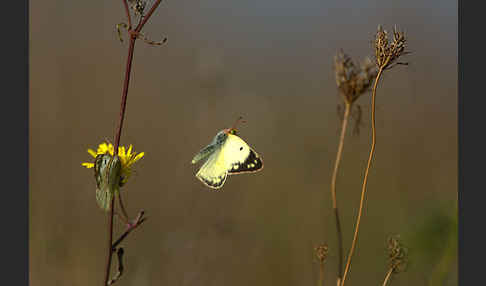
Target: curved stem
x,y
138,221
365,180
347,111
387,277
122,207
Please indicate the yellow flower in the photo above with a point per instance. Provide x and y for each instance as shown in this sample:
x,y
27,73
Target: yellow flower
x,y
127,158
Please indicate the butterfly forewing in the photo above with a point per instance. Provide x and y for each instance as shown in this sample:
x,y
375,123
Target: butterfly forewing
x,y
253,163
240,157
204,153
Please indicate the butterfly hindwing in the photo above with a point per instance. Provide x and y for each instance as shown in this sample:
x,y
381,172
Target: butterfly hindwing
x,y
213,172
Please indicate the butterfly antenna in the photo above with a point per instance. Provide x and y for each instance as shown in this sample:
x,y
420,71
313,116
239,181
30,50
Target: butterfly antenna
x,y
239,120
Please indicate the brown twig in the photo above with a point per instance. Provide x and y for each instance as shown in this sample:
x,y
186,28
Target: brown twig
x,y
110,238
117,276
333,187
365,180
387,277
386,53
321,274
127,11
128,70
122,207
321,252
117,143
352,82
138,221
147,16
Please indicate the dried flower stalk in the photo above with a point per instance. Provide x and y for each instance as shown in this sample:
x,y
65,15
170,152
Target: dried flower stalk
x,y
386,56
352,82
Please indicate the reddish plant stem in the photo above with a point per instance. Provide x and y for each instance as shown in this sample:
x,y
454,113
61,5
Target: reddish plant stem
x,y
125,91
138,221
110,238
147,16
133,38
127,11
117,143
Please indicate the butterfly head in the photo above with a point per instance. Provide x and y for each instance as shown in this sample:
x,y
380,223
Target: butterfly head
x,y
230,131
233,130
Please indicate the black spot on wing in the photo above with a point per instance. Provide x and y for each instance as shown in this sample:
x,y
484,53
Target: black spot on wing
x,y
251,164
213,182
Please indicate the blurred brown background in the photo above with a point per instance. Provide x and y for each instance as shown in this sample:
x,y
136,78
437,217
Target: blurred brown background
x,y
271,62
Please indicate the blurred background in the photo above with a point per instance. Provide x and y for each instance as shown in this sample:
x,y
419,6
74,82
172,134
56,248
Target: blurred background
x,y
271,62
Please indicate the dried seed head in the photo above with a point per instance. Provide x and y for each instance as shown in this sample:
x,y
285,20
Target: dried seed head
x,y
351,80
138,6
386,53
321,252
397,254
357,115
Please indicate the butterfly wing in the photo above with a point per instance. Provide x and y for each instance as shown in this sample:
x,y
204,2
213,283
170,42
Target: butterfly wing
x,y
240,158
107,175
253,163
103,198
204,153
214,171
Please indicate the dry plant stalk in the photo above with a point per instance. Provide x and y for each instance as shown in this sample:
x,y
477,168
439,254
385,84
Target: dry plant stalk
x,y
386,56
397,257
139,7
352,82
321,254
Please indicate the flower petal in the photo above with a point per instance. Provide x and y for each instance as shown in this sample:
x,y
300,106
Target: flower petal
x,y
127,157
121,151
138,157
102,148
93,153
129,152
88,165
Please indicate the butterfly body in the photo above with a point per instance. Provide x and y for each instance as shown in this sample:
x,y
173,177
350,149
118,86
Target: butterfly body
x,y
226,155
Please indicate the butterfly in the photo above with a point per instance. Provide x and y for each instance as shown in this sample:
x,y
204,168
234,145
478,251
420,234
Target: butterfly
x,y
226,155
107,174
